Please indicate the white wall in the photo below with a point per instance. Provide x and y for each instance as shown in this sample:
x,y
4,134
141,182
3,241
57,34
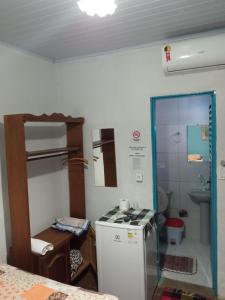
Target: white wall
x,y
113,91
27,84
174,172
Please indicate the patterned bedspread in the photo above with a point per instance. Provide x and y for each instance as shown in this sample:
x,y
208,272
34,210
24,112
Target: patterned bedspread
x,y
21,285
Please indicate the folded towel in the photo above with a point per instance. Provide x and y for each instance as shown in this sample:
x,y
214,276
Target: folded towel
x,y
75,231
40,247
73,222
73,225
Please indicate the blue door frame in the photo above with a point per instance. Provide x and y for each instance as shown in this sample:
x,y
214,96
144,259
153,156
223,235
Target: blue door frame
x,y
213,212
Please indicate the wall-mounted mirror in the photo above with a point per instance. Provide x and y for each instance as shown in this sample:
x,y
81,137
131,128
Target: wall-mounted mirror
x,y
198,143
104,157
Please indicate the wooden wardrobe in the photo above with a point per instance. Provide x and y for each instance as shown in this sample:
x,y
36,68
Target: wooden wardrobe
x,y
55,264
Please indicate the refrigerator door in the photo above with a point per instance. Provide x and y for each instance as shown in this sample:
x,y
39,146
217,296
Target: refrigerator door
x,y
120,258
151,260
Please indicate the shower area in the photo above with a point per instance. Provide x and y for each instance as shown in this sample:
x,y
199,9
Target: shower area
x,y
183,170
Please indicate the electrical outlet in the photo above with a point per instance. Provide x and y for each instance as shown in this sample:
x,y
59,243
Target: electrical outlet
x,y
139,177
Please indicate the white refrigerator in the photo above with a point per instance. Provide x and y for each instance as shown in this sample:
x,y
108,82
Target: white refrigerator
x,y
127,259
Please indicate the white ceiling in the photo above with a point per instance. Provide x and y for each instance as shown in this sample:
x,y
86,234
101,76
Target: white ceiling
x,y
56,29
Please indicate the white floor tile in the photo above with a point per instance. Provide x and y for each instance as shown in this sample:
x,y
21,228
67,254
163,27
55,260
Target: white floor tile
x,y
192,248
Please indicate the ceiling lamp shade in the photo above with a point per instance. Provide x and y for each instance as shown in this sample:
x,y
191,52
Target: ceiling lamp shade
x,y
100,8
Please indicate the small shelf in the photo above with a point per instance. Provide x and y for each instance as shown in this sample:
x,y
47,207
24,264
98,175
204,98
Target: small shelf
x,y
101,143
48,153
80,270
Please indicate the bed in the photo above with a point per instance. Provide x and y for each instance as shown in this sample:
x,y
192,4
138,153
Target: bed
x,y
21,285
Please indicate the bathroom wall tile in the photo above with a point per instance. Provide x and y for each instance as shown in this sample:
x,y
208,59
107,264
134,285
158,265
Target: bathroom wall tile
x,y
194,110
174,213
192,227
194,230
190,171
184,197
167,167
205,169
173,187
163,184
162,167
167,112
185,200
182,145
167,138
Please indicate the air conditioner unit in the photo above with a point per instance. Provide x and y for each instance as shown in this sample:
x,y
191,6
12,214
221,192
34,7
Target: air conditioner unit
x,y
194,54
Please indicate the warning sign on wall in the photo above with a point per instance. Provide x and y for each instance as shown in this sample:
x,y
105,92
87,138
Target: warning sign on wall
x,y
136,136
136,147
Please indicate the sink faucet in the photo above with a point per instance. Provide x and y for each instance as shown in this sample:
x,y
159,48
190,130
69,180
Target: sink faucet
x,y
202,179
204,183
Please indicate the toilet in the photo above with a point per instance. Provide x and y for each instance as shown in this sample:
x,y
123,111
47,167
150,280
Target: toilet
x,y
163,202
174,226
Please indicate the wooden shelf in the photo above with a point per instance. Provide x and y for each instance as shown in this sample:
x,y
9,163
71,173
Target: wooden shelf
x,y
48,153
55,117
80,270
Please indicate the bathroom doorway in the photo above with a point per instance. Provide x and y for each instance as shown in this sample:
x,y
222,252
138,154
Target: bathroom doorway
x,y
183,130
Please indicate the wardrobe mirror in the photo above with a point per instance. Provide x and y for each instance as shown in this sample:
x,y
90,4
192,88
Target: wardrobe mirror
x,y
104,157
198,143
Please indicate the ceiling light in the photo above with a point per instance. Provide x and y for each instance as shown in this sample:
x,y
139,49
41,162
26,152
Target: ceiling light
x,y
100,8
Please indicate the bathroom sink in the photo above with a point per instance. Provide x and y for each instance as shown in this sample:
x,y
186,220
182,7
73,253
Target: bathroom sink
x,y
200,196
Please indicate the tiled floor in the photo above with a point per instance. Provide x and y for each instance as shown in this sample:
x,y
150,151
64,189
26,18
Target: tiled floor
x,y
188,287
192,248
